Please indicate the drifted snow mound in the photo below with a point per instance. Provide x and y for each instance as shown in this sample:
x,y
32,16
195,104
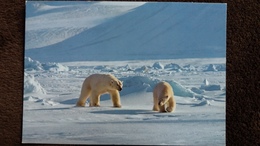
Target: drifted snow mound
x,y
50,66
158,65
208,87
31,85
180,90
104,68
31,98
148,83
125,68
143,69
189,68
173,66
221,67
40,100
205,82
203,103
128,67
196,90
30,65
216,67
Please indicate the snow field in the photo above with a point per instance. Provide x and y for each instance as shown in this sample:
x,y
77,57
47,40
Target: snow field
x,y
62,122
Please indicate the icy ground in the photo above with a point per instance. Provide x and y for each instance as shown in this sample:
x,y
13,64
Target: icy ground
x,y
52,89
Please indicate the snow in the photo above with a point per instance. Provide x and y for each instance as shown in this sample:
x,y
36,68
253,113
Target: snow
x,y
68,41
158,65
30,64
31,85
183,30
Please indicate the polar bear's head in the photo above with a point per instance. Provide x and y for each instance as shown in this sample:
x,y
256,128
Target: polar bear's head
x,y
163,100
116,84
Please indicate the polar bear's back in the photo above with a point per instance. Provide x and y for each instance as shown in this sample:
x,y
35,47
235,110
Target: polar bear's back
x,y
96,80
163,88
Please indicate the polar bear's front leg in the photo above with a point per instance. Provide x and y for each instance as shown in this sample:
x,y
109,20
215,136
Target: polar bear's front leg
x,y
171,105
162,108
115,97
94,99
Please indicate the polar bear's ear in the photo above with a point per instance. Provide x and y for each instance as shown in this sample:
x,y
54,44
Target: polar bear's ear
x,y
120,82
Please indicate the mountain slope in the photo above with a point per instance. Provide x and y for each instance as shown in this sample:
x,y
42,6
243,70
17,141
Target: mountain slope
x,y
48,23
150,31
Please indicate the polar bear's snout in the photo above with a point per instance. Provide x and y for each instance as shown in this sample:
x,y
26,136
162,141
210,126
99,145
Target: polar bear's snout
x,y
163,101
120,85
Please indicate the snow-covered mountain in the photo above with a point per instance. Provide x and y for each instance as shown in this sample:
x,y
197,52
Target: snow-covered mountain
x,y
86,31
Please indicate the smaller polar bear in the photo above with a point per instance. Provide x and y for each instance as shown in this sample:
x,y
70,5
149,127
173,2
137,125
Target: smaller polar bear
x,y
98,84
163,98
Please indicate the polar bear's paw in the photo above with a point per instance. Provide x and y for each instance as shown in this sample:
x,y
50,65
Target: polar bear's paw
x,y
94,104
169,109
117,106
79,104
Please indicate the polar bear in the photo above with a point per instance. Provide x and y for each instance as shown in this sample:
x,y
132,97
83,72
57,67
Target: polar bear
x,y
163,98
98,84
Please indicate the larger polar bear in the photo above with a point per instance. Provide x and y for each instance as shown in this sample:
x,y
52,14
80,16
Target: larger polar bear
x,y
98,84
163,98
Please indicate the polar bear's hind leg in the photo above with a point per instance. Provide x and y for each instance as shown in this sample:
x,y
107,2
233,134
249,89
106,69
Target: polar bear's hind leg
x,y
85,92
155,106
94,99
